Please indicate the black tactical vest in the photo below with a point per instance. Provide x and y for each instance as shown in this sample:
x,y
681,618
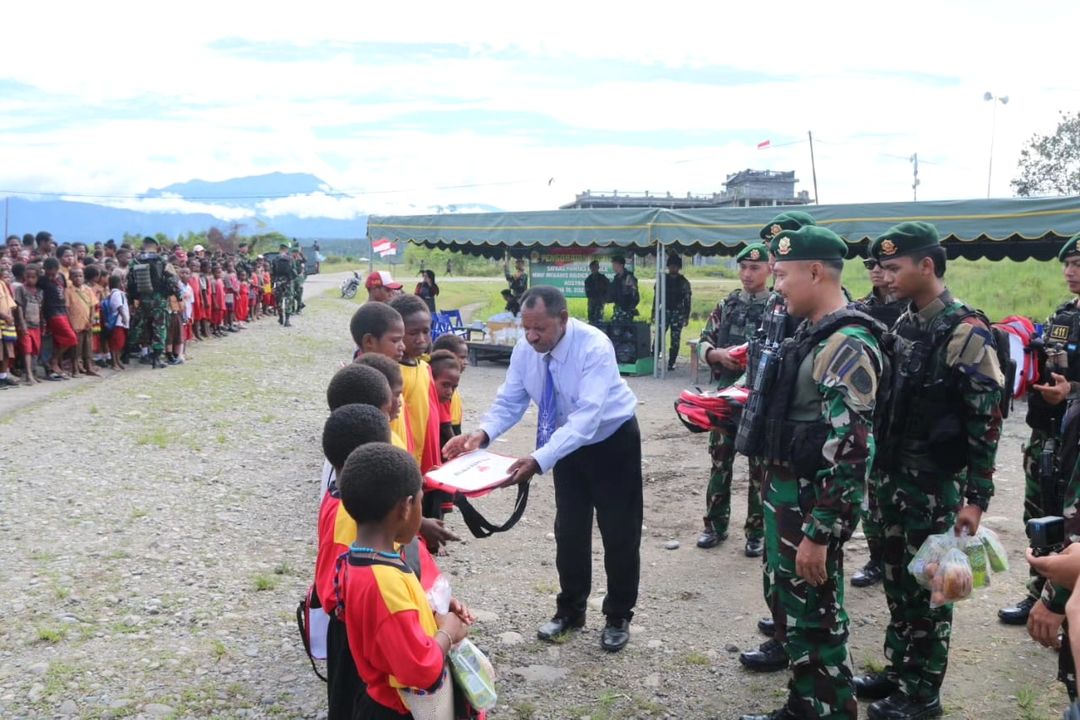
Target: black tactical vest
x,y
1062,332
799,441
739,320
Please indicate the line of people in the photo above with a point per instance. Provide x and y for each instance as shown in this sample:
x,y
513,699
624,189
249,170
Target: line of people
x,y
71,309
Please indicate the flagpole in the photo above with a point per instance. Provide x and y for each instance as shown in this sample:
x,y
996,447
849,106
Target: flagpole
x,y
813,166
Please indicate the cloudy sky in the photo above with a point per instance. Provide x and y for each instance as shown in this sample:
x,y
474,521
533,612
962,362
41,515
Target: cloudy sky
x,y
407,106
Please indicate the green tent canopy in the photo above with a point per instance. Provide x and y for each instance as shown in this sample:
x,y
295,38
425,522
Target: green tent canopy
x,y
1016,228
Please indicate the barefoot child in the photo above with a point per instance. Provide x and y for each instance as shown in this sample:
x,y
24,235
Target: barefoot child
x,y
80,302
119,318
9,333
28,301
54,311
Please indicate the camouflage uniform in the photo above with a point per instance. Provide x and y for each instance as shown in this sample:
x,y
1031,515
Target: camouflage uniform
x,y
921,494
283,274
625,297
676,311
1040,500
150,281
732,322
887,311
835,391
596,290
299,267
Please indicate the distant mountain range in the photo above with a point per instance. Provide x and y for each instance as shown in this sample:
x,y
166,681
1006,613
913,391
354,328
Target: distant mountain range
x,y
87,221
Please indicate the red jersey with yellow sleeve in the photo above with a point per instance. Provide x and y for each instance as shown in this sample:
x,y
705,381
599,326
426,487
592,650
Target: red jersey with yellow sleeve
x,y
391,629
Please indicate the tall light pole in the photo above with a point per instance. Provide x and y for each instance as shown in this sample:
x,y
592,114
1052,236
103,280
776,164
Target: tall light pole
x,y
993,99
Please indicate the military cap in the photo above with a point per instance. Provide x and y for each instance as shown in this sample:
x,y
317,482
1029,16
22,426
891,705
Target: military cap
x,y
903,239
754,252
149,241
808,243
675,260
790,220
1070,248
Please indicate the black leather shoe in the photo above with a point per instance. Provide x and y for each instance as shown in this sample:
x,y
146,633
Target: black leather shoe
x,y
899,706
1018,613
755,547
766,626
615,636
559,626
781,714
870,574
770,657
874,686
710,539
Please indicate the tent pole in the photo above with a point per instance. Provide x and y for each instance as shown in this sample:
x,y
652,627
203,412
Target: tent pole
x,y
658,293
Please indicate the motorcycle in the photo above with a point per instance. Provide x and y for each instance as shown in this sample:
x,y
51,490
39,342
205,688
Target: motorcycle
x,y
350,285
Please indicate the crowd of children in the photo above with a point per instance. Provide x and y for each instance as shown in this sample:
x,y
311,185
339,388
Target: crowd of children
x,y
68,309
392,619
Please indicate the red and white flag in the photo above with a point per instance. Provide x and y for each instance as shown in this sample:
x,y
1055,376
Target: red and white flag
x,y
763,144
384,247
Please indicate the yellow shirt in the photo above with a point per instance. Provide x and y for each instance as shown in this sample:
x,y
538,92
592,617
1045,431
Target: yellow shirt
x,y
455,409
416,407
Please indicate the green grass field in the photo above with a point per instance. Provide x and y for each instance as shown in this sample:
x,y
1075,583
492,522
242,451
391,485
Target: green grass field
x,y
1031,288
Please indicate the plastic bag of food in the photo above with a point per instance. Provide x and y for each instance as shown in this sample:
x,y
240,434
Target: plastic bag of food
x,y
995,551
924,565
978,558
474,674
953,580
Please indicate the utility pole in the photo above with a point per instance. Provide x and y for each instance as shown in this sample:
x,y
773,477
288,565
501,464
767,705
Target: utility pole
x,y
915,177
813,166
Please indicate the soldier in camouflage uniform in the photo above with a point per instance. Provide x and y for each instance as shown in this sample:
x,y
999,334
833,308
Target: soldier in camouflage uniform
x,y
596,290
944,421
1062,399
1042,497
300,268
770,655
676,305
150,282
819,447
283,274
624,292
733,322
881,305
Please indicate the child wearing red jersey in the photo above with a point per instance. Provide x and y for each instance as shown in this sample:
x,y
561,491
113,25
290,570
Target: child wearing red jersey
x,y
397,641
347,428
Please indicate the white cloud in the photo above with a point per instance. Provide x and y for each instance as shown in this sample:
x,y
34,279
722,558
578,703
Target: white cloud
x,y
874,83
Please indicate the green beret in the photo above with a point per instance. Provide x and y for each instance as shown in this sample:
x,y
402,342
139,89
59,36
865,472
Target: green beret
x,y
1069,248
790,220
905,238
754,252
811,242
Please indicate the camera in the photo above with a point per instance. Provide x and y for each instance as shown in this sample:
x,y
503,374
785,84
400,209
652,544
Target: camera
x,y
1046,535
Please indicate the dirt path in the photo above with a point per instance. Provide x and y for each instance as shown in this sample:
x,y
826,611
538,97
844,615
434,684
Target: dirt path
x,y
160,579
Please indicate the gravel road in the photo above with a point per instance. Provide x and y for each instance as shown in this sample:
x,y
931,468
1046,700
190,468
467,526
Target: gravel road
x,y
158,578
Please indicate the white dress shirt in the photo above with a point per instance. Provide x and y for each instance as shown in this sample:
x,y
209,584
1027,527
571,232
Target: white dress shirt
x,y
591,398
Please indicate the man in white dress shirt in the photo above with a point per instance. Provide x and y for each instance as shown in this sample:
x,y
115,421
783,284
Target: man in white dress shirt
x,y
588,434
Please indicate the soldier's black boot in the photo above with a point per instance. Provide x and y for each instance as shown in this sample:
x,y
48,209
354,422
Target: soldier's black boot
x,y
900,706
709,538
155,361
1018,613
875,686
781,714
770,657
767,626
869,574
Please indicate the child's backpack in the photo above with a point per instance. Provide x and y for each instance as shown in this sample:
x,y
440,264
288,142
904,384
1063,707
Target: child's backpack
x,y
109,314
313,623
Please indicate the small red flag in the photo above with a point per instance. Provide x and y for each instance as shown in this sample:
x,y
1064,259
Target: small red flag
x,y
763,144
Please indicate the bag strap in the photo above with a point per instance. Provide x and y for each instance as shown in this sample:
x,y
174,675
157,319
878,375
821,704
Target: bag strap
x,y
480,526
301,622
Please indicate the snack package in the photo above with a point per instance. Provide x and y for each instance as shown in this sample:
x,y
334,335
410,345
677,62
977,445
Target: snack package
x,y
978,558
924,565
953,580
474,674
995,551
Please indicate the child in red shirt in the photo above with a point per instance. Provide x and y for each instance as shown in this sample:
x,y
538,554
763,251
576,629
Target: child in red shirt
x,y
397,641
242,288
217,302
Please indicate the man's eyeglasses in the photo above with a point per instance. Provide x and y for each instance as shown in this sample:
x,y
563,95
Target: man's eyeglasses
x,y
870,264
